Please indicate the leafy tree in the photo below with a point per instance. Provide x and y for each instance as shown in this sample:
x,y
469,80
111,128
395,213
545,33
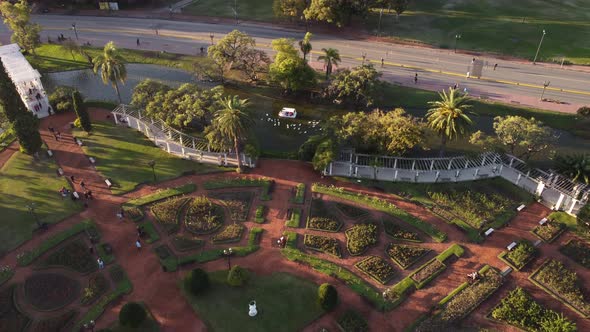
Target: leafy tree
x,y
338,12
230,50
145,91
72,47
61,99
10,102
399,6
26,129
291,9
448,117
305,45
331,57
132,314
324,154
356,87
17,18
197,281
307,149
254,62
584,111
288,69
237,276
584,215
111,66
557,322
576,166
234,121
81,111
327,296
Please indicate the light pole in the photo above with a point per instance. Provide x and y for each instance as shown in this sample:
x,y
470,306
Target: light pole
x,y
90,326
211,36
31,208
236,11
75,31
539,48
152,164
228,252
545,85
457,37
379,25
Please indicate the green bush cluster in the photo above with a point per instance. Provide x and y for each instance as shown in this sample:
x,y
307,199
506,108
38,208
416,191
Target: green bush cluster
x,y
324,244
405,255
132,314
237,276
360,237
327,296
323,224
377,268
521,254
197,281
61,99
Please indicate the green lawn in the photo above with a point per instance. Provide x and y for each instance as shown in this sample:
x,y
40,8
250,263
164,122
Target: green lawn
x,y
122,154
284,303
253,10
22,181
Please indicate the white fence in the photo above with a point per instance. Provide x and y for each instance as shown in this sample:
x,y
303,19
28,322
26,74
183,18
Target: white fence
x,y
556,191
174,141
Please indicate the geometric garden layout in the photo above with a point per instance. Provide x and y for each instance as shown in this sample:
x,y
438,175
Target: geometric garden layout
x,y
419,261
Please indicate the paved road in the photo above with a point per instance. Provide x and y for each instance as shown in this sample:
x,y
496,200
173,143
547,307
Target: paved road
x,y
512,81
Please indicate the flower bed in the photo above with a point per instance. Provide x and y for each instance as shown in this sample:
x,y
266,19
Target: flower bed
x,y
50,291
58,323
97,286
549,232
578,251
520,255
11,318
563,284
377,268
133,212
352,321
167,213
395,231
323,224
238,203
265,183
74,255
351,211
428,271
319,208
360,237
324,244
185,243
519,309
405,255
202,216
231,233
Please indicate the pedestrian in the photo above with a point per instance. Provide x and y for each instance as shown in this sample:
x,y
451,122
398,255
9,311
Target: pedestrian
x,y
455,86
495,66
55,136
382,61
416,78
82,184
100,263
156,32
137,41
473,61
72,178
121,214
138,244
90,194
468,74
50,129
58,134
465,90
202,50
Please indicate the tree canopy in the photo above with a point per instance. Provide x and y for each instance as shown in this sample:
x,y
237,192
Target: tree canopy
x,y
338,12
81,111
355,87
17,17
145,91
288,70
26,128
448,116
111,65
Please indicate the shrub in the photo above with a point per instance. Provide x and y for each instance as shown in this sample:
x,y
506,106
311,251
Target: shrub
x,y
231,233
405,255
299,194
322,243
323,224
132,314
61,99
521,255
584,111
352,321
377,268
395,231
197,281
260,211
237,276
327,296
431,268
360,237
548,232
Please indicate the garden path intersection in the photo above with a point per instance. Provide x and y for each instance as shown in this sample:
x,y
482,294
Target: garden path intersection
x,y
513,82
160,292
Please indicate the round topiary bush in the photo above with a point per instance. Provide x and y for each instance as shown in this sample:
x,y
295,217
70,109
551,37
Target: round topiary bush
x,y
132,314
197,281
237,276
584,111
327,296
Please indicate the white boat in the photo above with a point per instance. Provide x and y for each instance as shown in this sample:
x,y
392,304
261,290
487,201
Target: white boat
x,y
287,112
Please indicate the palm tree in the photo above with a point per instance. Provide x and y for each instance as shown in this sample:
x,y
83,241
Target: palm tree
x,y
448,117
305,45
112,67
576,165
233,121
330,57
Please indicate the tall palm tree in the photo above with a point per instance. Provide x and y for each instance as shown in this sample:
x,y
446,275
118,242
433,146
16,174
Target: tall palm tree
x,y
305,45
233,121
112,67
448,116
576,165
331,57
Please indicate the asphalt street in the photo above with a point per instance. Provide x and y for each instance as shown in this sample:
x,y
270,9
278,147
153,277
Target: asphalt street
x,y
512,81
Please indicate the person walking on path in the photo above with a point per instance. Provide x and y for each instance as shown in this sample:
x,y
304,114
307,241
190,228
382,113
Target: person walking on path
x,y
416,78
495,66
382,61
138,244
72,178
100,263
82,184
138,42
55,136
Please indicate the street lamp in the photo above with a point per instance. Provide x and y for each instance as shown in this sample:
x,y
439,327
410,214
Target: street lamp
x,y
90,326
31,208
457,37
539,48
236,11
152,164
75,31
211,36
545,85
228,252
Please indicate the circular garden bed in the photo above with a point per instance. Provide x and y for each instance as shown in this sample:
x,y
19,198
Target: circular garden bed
x,y
50,291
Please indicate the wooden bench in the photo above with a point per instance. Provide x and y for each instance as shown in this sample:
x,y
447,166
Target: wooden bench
x,y
109,183
520,208
50,153
511,246
543,221
75,194
489,232
60,171
92,160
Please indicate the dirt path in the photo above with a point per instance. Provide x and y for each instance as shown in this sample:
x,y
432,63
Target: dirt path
x,y
8,152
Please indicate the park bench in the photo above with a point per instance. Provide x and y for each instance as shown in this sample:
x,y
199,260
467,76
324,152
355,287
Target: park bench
x,y
60,171
520,207
75,194
543,221
489,232
50,153
109,183
92,160
511,246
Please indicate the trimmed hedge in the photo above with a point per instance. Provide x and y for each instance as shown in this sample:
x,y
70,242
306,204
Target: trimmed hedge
x,y
184,243
323,244
323,224
260,213
265,183
295,219
299,194
377,268
162,194
237,276
405,255
327,296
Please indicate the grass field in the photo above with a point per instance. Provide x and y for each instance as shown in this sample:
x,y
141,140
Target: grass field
x,y
23,181
253,10
122,154
284,303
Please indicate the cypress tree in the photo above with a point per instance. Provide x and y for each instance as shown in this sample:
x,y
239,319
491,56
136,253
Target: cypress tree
x,y
81,111
26,128
9,97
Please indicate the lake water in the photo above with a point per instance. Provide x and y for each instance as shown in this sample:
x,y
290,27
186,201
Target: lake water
x,y
274,134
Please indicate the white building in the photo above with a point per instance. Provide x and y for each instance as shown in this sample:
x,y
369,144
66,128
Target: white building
x,y
26,79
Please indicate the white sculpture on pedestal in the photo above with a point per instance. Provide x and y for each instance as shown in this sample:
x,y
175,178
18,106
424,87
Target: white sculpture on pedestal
x,y
252,309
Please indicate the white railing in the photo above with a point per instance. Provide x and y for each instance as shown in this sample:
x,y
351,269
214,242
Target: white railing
x,y
174,141
555,190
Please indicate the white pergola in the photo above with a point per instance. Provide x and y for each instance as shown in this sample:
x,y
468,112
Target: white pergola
x,y
26,79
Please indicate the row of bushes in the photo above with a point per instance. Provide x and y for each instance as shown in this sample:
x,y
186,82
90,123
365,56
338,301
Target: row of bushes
x,y
323,224
265,183
162,194
299,194
294,218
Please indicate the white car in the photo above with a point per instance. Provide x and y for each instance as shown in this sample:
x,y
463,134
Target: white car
x,y
289,113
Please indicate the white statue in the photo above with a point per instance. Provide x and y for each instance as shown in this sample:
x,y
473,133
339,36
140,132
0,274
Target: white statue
x,y
252,309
